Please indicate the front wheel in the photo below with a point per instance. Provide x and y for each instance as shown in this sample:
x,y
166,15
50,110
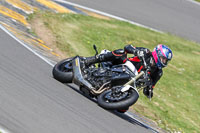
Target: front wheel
x,y
116,101
63,71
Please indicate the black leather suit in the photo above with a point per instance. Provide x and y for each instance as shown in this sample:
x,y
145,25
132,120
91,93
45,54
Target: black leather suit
x,y
120,56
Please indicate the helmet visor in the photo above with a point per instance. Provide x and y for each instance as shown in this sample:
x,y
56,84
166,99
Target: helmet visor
x,y
164,60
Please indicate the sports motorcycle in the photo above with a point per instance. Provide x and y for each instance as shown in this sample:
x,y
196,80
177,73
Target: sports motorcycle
x,y
115,87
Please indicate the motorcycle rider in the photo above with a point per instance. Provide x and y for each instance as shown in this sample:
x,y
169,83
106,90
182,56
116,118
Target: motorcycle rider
x,y
156,60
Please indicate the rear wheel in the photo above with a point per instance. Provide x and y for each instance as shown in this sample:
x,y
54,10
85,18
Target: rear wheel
x,y
117,100
63,71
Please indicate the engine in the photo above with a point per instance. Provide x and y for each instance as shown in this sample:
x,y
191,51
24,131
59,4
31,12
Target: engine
x,y
99,76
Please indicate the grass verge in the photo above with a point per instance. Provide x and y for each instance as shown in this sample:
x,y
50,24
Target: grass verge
x,y
175,106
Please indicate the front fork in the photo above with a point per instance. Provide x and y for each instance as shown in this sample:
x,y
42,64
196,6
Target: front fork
x,y
127,86
134,79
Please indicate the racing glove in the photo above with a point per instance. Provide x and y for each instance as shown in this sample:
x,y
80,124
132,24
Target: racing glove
x,y
148,91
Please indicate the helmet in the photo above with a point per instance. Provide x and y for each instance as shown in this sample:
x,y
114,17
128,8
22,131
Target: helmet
x,y
162,55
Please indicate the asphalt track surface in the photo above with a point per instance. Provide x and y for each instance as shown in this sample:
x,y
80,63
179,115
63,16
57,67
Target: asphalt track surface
x,y
179,17
31,101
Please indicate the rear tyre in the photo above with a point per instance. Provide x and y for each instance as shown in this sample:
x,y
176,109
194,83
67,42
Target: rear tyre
x,y
109,101
63,71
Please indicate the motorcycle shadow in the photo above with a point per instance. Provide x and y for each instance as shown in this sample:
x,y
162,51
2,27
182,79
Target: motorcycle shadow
x,y
125,116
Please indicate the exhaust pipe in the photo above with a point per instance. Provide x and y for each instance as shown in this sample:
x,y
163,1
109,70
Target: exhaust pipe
x,y
78,77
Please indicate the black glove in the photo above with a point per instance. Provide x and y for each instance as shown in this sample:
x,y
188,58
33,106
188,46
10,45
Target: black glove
x,y
141,53
138,53
148,91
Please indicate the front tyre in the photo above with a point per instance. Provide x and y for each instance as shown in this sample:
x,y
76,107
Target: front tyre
x,y
112,101
63,71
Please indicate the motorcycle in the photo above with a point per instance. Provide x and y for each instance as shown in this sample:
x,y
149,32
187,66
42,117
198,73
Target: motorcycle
x,y
115,87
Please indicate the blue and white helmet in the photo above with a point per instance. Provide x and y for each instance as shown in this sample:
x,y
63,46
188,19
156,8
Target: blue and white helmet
x,y
162,55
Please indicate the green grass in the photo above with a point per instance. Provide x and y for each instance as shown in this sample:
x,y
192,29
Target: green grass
x,y
175,105
197,0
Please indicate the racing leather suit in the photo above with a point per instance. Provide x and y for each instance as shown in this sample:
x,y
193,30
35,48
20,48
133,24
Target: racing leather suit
x,y
119,56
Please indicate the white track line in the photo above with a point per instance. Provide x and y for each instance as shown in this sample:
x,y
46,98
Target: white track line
x,y
106,14
195,2
26,46
2,130
145,124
